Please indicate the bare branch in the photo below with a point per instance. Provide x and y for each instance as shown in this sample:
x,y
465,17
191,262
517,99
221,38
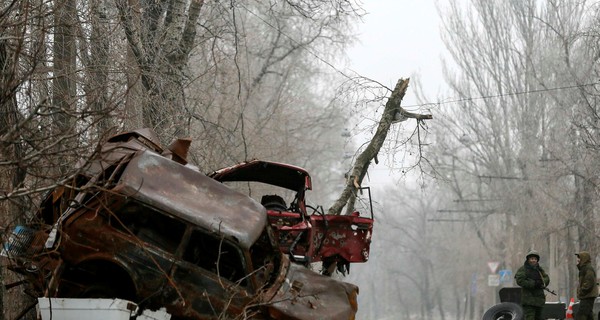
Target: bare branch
x,y
361,166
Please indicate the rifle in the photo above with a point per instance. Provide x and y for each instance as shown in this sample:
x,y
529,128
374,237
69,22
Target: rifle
x,y
550,291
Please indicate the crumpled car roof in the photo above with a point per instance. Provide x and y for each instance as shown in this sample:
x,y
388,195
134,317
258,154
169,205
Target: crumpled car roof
x,y
192,196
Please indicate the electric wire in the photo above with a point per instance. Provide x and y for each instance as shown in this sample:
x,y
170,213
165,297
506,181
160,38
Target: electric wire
x,y
420,105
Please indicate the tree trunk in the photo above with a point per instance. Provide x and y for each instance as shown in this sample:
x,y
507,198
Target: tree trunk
x,y
584,203
12,177
161,37
361,166
100,47
64,84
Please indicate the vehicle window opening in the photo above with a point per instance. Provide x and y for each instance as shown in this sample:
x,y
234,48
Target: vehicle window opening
x,y
258,190
215,255
273,202
150,226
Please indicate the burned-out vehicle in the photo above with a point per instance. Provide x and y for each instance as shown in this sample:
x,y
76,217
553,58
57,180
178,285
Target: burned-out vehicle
x,y
140,224
304,232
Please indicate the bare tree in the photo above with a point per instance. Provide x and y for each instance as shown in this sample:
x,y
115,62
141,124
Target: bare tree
x,y
19,57
511,145
44,124
76,71
267,89
161,37
415,258
96,57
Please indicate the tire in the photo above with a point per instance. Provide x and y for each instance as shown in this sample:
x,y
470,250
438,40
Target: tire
x,y
504,311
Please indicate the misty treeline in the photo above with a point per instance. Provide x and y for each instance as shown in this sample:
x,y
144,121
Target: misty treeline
x,y
514,154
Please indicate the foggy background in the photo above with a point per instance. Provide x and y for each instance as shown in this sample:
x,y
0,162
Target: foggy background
x,y
509,162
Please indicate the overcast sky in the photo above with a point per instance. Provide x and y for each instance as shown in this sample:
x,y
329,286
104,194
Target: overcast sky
x,y
399,39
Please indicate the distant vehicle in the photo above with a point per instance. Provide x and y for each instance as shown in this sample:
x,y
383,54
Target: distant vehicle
x,y
139,224
304,232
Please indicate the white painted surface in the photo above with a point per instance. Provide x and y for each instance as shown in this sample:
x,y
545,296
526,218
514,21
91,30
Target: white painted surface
x,y
94,309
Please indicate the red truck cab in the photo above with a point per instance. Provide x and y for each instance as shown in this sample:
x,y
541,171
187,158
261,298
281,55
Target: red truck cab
x,y
303,232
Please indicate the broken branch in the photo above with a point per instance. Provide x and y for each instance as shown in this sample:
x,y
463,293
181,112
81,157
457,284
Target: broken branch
x,y
354,180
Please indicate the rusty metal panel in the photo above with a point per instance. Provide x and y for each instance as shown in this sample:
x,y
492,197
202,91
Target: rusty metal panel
x,y
347,236
144,135
274,173
306,295
193,196
324,236
120,146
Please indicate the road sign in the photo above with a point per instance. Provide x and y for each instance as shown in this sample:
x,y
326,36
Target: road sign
x,y
505,275
493,265
493,280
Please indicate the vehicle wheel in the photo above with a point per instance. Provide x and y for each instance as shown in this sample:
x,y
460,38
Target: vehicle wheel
x,y
504,311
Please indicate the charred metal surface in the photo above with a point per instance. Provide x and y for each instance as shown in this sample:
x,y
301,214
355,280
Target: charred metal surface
x,y
138,224
306,295
193,197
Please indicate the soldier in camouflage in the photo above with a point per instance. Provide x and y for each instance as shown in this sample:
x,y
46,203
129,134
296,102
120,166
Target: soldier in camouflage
x,y
587,290
532,279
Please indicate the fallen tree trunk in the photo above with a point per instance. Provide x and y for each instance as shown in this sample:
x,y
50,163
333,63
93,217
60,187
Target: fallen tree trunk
x,y
392,111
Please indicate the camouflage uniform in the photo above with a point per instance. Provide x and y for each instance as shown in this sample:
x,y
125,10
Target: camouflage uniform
x,y
532,279
587,290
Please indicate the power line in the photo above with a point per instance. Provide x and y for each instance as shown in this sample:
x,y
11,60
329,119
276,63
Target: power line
x,y
466,211
476,200
449,220
505,94
427,103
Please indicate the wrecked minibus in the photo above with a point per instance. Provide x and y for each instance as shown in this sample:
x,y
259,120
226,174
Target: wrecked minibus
x,y
138,223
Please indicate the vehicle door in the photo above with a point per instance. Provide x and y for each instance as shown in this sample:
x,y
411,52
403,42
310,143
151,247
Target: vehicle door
x,y
212,275
154,238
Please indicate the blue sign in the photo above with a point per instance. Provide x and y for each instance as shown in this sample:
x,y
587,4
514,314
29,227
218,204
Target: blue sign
x,y
505,275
